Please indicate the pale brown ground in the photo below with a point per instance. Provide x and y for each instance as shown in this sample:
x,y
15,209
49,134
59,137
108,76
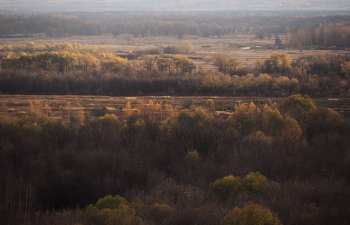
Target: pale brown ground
x,y
205,48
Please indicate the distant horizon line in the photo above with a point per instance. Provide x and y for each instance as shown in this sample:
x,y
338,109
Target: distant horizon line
x,y
174,10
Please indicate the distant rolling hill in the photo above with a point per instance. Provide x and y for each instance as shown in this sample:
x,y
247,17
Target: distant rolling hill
x,y
170,5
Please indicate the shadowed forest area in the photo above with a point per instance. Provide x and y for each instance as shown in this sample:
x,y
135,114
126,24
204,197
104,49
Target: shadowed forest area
x,y
155,164
175,162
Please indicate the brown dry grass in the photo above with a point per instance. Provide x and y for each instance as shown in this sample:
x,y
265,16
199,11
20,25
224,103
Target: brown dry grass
x,y
17,105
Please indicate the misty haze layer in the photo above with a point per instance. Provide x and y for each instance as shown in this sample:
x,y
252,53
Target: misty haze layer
x,y
171,5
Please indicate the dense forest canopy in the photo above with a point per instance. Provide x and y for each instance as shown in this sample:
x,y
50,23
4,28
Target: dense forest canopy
x,y
159,164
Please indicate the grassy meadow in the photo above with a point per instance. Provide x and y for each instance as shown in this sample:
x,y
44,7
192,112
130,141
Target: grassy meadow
x,y
97,106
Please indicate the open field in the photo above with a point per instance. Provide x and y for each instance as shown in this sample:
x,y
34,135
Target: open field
x,y
205,48
100,105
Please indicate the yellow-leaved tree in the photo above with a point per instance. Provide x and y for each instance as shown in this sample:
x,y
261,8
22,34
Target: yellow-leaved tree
x,y
280,62
346,69
187,47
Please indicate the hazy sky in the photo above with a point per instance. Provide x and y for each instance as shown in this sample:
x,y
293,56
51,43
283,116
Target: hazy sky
x,y
171,5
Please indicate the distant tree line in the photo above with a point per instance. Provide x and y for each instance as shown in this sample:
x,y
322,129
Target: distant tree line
x,y
160,24
52,26
336,35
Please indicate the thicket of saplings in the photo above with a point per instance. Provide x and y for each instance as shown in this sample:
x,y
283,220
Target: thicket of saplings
x,y
272,164
72,68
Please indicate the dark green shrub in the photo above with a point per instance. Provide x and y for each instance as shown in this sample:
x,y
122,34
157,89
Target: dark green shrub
x,y
251,214
254,183
111,202
112,210
160,212
227,187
